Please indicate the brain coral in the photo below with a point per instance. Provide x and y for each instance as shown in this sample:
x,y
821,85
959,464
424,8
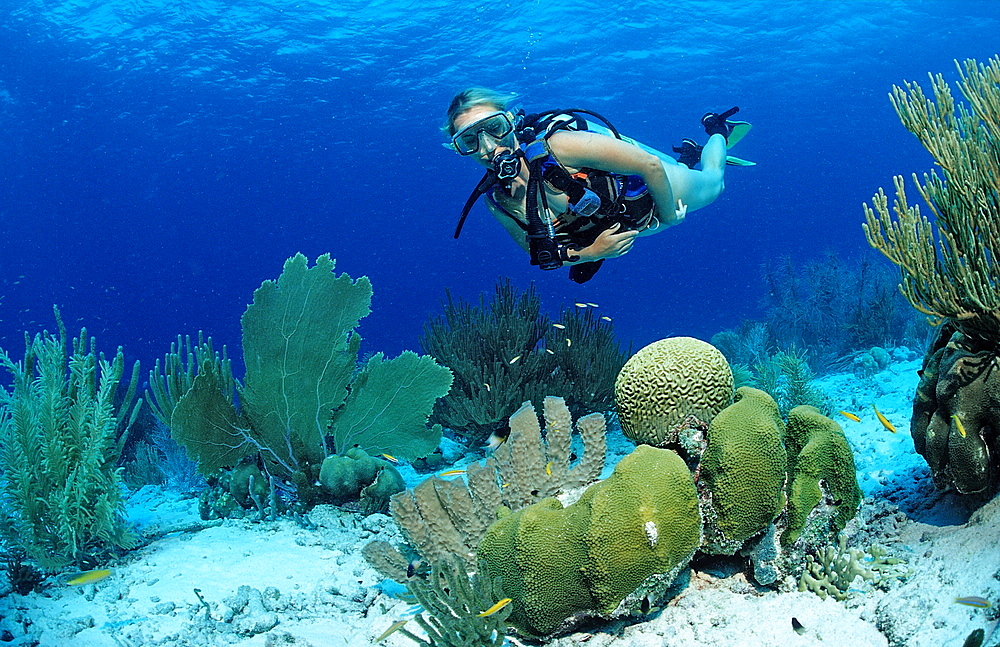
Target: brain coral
x,y
555,562
665,382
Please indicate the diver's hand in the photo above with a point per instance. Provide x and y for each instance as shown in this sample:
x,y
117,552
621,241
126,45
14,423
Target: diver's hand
x,y
679,214
610,243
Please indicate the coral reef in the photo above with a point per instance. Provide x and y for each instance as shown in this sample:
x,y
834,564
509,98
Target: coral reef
x,y
742,471
834,568
303,392
955,413
356,476
59,442
833,306
443,517
955,409
667,381
821,471
624,540
453,605
175,376
505,352
788,378
554,562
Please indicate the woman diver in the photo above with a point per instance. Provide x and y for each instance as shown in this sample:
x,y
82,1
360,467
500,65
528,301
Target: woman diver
x,y
571,191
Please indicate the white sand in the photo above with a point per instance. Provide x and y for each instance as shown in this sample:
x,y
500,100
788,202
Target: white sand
x,y
312,587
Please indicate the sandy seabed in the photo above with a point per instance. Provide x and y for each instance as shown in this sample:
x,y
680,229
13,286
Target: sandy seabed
x,y
279,583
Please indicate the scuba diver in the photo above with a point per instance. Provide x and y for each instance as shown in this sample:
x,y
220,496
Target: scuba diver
x,y
572,191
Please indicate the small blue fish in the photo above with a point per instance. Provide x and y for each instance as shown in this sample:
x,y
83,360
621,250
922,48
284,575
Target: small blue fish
x,y
974,601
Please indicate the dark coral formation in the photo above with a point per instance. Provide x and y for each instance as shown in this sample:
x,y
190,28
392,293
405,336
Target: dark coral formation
x,y
504,351
956,411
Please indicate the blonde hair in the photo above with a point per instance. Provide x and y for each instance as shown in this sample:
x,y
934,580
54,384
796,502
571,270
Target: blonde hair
x,y
472,97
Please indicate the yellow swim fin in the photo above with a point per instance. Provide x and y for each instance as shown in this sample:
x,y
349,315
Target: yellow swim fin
x,y
737,130
736,161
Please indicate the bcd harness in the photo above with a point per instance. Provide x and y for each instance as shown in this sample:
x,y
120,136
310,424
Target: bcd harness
x,y
599,199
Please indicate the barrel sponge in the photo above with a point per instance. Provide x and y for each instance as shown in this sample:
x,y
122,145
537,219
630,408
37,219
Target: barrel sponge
x,y
538,553
743,469
665,382
644,520
555,562
821,463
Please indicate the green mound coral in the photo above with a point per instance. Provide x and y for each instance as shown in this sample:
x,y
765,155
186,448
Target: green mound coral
x,y
821,471
667,381
356,476
555,562
742,471
303,398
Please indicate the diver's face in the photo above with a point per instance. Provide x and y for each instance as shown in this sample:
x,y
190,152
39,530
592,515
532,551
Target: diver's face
x,y
489,146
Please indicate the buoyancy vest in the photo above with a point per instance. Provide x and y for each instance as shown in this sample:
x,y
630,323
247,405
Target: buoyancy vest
x,y
623,199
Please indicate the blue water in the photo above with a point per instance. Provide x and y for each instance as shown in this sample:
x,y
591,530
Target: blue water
x,y
159,160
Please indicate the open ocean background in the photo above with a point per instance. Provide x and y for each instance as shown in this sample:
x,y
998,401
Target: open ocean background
x,y
158,161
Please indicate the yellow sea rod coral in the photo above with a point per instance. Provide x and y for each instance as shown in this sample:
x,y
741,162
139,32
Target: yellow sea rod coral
x,y
667,381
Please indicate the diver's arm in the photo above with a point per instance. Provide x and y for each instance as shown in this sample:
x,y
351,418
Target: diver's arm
x,y
591,150
609,243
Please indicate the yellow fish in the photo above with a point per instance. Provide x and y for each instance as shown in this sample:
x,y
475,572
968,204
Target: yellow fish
x,y
88,577
592,305
580,305
515,359
550,351
559,326
959,425
396,626
548,468
487,385
391,459
451,473
569,342
850,416
885,422
496,607
606,318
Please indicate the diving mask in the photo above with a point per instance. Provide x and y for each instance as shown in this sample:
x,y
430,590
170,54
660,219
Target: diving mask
x,y
497,126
